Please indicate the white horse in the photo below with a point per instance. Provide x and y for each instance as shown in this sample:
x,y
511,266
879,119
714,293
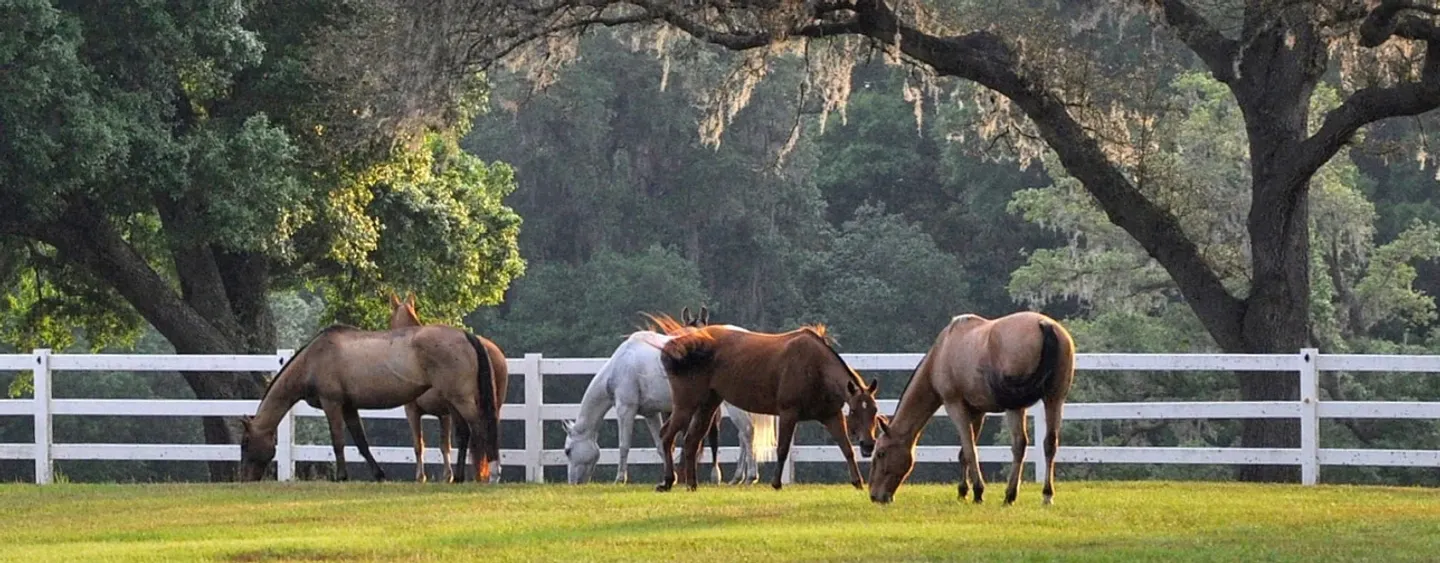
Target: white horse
x,y
633,382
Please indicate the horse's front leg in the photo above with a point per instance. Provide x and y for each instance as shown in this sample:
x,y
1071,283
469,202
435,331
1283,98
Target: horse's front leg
x,y
447,428
357,433
336,417
417,437
977,421
787,421
625,415
839,432
969,457
1015,424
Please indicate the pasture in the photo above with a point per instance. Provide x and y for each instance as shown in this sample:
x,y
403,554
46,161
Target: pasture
x,y
1091,521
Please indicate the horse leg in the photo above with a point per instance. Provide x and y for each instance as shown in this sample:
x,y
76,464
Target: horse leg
x,y
447,428
357,433
1015,423
469,413
337,437
841,435
1053,407
680,415
700,423
969,458
787,420
417,436
625,415
977,420
714,436
745,431
462,446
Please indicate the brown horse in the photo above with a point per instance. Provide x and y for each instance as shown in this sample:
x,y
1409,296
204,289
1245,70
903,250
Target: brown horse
x,y
979,366
402,314
795,375
344,369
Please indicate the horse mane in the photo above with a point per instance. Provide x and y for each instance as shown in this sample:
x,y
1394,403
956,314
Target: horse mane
x,y
334,328
665,324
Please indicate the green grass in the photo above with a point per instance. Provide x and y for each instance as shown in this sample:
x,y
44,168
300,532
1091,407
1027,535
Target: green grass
x,y
1093,521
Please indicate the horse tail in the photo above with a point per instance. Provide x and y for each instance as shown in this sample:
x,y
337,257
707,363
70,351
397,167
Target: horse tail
x,y
1020,392
485,380
763,442
687,352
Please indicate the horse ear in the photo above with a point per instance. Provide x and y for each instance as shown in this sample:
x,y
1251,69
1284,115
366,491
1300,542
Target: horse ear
x,y
569,426
411,300
245,422
852,387
685,315
394,300
704,315
884,423
874,386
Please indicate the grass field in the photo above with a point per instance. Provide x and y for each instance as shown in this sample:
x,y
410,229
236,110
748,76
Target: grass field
x,y
1096,521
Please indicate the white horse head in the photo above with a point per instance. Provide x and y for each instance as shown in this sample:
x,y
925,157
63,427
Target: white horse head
x,y
582,453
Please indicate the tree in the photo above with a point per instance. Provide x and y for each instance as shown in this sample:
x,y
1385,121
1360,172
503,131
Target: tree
x,y
1269,55
175,163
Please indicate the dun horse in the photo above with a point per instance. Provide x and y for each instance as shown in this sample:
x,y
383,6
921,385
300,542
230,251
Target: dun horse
x,y
402,314
344,369
979,366
796,375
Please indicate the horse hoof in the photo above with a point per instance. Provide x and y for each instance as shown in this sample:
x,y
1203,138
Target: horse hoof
x,y
662,488
858,484
776,486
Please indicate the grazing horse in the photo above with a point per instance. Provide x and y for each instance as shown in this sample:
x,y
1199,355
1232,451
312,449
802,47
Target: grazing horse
x,y
979,366
795,375
402,314
633,382
344,369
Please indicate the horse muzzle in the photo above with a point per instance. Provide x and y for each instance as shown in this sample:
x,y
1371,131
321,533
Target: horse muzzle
x,y
867,448
882,498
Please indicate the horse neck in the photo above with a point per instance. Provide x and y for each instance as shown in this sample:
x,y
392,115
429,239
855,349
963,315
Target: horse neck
x,y
595,403
918,403
280,396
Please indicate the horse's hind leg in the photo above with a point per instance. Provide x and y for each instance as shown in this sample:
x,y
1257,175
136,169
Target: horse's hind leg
x,y
841,435
681,415
967,425
713,435
1053,407
700,424
357,433
447,428
336,418
1015,424
417,436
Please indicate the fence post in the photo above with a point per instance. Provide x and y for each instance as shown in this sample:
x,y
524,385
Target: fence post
x,y
285,433
1309,417
534,421
1036,451
44,437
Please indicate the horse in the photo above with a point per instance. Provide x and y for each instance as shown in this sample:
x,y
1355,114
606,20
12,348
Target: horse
x,y
402,314
633,382
344,369
978,366
795,375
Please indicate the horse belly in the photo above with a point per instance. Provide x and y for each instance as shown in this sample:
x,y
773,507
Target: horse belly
x,y
755,397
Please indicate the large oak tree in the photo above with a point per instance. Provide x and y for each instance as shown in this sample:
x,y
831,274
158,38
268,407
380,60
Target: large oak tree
x,y
1270,54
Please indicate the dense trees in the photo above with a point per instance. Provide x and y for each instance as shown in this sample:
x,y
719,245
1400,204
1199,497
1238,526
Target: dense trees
x,y
175,163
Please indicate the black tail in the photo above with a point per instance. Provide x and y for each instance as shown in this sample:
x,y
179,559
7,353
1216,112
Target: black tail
x,y
489,406
1020,392
687,352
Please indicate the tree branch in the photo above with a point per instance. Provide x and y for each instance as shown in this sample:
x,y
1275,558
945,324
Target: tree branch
x,y
984,58
1218,51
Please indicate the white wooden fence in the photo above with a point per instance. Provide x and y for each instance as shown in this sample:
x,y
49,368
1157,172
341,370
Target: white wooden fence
x,y
534,411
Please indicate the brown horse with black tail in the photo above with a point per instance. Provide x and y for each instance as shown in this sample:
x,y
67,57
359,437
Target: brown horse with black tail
x,y
795,375
979,366
344,369
402,314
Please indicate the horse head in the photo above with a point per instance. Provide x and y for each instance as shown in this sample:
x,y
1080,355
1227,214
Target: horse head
x,y
582,453
257,449
402,313
863,414
894,459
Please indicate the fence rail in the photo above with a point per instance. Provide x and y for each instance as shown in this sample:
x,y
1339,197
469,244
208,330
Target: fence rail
x,y
533,411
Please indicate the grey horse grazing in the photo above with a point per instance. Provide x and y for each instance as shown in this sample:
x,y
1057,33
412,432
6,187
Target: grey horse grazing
x,y
633,382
